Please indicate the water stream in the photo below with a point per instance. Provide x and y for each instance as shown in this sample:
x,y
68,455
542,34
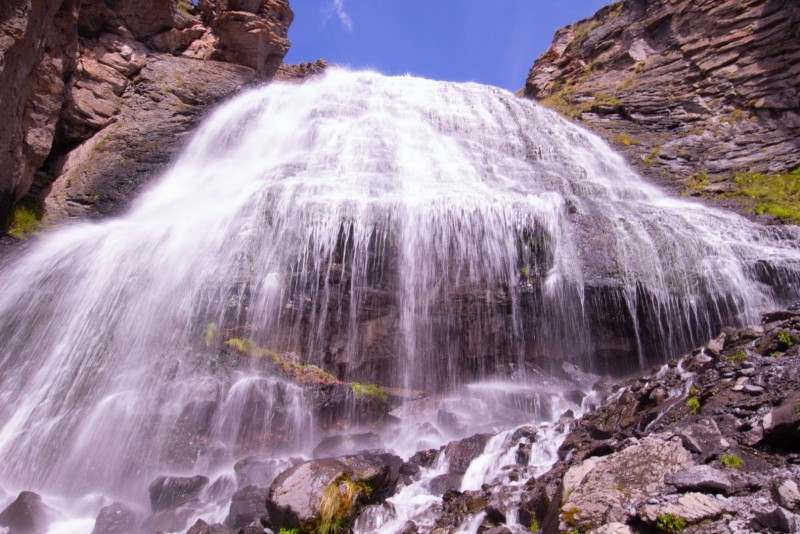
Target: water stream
x,y
424,236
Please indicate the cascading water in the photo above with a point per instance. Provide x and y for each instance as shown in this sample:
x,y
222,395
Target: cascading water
x,y
416,234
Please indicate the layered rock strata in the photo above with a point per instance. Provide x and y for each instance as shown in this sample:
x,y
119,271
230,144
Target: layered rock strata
x,y
140,73
691,91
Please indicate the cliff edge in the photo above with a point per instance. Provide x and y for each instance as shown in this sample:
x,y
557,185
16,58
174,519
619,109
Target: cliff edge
x,y
701,96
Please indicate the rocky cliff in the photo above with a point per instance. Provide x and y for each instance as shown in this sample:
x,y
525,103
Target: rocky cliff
x,y
693,92
98,94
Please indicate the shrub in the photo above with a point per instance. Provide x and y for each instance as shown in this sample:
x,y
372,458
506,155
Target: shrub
x,y
785,339
670,523
738,357
694,405
730,460
26,220
368,390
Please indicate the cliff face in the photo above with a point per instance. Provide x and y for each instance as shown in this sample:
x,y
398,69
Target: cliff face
x,y
691,91
98,94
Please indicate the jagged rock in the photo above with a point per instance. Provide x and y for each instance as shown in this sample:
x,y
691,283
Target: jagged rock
x,y
461,453
702,478
116,518
26,515
126,56
682,87
301,71
692,507
702,437
248,505
782,424
441,484
201,527
612,528
786,493
38,47
141,18
171,492
296,494
602,490
778,520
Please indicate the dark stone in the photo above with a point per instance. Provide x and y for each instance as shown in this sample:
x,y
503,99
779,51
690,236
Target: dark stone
x,y
201,527
248,505
171,492
332,446
26,515
461,453
441,484
172,520
777,520
116,518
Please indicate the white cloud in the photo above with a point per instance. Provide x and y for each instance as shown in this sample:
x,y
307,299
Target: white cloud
x,y
337,7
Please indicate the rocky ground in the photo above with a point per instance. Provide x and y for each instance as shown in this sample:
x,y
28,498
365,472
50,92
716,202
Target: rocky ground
x,y
692,92
707,443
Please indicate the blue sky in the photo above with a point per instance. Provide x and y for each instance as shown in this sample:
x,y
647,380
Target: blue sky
x,y
487,41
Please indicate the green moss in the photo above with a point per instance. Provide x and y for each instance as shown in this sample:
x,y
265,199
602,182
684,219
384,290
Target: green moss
x,y
534,526
785,339
602,99
730,460
302,373
738,357
368,390
625,139
244,345
338,500
774,194
212,331
26,219
670,523
693,403
289,531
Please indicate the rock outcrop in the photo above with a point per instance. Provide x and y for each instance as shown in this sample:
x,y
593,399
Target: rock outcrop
x,y
691,91
97,95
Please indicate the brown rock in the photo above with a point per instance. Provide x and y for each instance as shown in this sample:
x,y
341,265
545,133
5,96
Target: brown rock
x,y
37,51
682,87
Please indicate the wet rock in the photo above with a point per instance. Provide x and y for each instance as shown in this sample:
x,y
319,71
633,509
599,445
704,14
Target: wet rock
x,y
190,433
778,520
116,518
26,515
171,492
461,453
296,494
347,444
703,478
172,520
602,490
257,471
786,493
248,505
441,484
201,527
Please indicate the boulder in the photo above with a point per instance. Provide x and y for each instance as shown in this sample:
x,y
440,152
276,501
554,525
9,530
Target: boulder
x,y
116,518
702,435
26,515
258,471
171,492
602,489
786,493
778,520
248,505
782,424
201,527
703,478
692,507
344,484
460,453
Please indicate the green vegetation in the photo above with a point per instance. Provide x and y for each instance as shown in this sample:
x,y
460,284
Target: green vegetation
x,y
570,516
212,331
775,194
368,390
26,219
302,373
730,460
625,139
557,101
534,526
602,99
338,500
670,523
289,531
738,357
694,405
785,339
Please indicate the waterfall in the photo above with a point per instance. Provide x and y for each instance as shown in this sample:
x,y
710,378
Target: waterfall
x,y
416,234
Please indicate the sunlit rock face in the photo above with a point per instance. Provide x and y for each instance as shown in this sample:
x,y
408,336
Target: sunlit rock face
x,y
416,234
